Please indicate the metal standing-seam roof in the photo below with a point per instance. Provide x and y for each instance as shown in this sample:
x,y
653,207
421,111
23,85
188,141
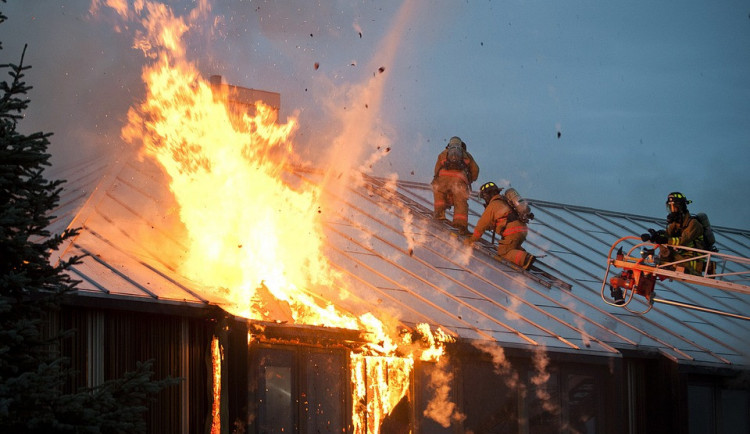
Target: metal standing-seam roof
x,y
396,259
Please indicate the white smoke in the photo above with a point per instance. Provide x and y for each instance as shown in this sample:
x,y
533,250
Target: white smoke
x,y
541,378
500,363
440,408
579,322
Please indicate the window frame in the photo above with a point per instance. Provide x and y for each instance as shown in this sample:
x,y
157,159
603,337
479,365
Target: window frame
x,y
297,359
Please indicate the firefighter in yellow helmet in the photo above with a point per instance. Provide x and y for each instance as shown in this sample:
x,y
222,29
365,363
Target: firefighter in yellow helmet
x,y
508,214
682,230
455,170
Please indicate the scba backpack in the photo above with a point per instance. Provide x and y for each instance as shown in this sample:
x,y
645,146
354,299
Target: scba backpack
x,y
521,209
708,234
455,157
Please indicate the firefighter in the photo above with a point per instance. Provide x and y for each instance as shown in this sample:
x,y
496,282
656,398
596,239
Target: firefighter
x,y
455,170
682,230
508,214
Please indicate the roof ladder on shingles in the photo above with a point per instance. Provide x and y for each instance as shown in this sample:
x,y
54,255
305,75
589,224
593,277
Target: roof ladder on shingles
x,y
545,280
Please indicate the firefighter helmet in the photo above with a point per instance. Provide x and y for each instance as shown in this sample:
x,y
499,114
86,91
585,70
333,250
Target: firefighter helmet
x,y
457,140
677,202
488,190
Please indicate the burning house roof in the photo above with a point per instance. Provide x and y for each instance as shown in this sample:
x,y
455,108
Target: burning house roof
x,y
220,228
392,261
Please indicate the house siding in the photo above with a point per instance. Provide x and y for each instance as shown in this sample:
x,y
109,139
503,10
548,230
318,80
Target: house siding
x,y
107,343
584,394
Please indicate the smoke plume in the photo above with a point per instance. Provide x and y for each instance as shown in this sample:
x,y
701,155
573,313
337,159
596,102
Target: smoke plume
x,y
440,408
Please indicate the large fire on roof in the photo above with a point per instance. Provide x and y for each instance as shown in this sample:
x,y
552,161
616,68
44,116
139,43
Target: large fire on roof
x,y
252,237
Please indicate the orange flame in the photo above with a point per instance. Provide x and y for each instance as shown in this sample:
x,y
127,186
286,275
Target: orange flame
x,y
217,355
379,384
250,234
253,238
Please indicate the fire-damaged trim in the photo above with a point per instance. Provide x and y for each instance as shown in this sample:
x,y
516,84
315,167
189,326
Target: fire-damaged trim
x,y
284,333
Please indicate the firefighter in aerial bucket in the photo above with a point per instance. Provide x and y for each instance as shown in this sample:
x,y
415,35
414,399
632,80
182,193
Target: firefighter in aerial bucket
x,y
683,229
455,170
508,215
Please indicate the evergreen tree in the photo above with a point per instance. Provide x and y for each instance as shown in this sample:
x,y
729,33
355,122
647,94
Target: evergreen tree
x,y
32,371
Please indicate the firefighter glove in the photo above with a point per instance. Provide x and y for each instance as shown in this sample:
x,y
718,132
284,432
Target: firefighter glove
x,y
659,237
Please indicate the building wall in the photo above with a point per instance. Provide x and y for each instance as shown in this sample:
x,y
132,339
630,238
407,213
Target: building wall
x,y
291,385
566,394
665,397
107,343
529,392
303,389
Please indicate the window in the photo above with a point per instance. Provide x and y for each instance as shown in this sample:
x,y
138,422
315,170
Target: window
x,y
543,411
490,402
564,398
435,397
734,411
276,394
713,408
324,405
582,392
700,409
295,390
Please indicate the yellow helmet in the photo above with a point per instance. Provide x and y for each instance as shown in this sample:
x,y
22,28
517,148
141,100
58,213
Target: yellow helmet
x,y
488,190
677,202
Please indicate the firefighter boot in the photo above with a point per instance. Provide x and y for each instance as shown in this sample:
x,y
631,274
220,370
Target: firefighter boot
x,y
529,262
617,295
440,214
461,226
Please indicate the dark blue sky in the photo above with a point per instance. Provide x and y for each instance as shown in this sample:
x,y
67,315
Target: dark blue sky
x,y
647,97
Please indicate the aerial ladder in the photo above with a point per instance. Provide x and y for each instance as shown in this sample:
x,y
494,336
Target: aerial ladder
x,y
640,267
